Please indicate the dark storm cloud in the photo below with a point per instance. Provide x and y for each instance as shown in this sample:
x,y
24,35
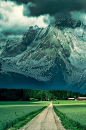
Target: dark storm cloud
x,y
54,6
15,18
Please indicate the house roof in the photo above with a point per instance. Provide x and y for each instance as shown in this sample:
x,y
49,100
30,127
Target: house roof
x,y
71,98
82,97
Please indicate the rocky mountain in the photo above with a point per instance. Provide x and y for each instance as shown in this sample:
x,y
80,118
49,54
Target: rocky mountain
x,y
49,53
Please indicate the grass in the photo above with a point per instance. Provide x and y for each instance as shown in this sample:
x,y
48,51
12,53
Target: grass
x,y
2,103
69,124
26,120
13,112
72,114
66,102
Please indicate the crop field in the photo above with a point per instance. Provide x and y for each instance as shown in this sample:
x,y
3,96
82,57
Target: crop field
x,y
74,110
66,102
12,112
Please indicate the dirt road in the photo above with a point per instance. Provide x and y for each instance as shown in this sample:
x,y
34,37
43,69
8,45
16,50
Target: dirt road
x,y
46,120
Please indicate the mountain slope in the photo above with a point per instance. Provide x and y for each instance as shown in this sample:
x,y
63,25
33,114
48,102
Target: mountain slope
x,y
44,54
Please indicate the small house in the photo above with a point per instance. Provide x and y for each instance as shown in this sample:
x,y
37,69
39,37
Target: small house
x,y
71,99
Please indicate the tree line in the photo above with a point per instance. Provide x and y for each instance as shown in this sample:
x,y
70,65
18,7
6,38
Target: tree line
x,y
34,95
24,95
64,94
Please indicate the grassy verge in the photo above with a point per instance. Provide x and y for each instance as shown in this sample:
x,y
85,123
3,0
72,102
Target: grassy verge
x,y
26,119
68,123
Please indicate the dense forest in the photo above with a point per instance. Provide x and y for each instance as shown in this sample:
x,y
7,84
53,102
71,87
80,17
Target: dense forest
x,y
25,95
34,95
64,94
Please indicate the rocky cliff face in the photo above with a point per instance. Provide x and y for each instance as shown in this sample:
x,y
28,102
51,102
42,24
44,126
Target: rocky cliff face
x,y
44,53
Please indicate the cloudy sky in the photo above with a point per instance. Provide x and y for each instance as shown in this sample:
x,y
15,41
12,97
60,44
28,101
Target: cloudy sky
x,y
17,16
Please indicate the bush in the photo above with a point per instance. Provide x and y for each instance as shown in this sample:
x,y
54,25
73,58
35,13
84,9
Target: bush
x,y
32,99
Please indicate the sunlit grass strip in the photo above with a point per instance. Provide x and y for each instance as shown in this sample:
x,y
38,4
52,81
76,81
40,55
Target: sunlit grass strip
x,y
23,121
66,102
68,123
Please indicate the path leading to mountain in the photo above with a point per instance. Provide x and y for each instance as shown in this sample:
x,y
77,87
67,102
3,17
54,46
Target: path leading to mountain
x,y
46,120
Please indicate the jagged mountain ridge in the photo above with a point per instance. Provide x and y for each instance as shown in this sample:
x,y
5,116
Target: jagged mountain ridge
x,y
45,53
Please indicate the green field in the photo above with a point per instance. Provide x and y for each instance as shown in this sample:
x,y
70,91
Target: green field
x,y
63,102
72,110
13,112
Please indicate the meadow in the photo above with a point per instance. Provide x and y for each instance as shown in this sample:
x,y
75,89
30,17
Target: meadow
x,y
67,102
13,112
72,113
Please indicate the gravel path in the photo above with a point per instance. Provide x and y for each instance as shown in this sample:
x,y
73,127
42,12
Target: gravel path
x,y
46,120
